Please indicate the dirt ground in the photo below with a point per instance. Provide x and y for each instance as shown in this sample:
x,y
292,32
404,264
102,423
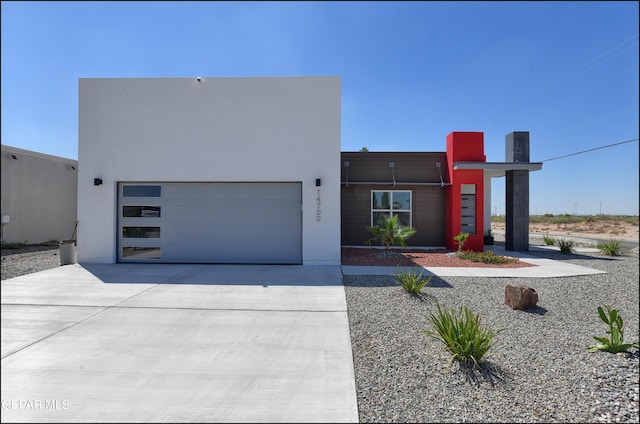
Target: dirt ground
x,y
600,229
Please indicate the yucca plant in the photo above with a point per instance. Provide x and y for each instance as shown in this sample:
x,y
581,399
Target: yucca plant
x,y
390,233
615,342
611,247
462,334
566,246
412,281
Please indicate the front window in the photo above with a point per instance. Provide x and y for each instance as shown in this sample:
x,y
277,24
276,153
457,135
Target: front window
x,y
389,204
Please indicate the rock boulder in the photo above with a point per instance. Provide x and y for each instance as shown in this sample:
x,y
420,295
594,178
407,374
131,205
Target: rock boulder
x,y
520,297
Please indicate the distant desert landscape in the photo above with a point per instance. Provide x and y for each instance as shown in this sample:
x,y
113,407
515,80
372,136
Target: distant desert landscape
x,y
604,229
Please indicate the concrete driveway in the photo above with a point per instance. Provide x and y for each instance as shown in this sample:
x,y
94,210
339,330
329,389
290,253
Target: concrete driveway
x,y
177,343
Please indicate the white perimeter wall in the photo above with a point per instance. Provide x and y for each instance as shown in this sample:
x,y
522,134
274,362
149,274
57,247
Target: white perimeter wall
x,y
219,129
39,195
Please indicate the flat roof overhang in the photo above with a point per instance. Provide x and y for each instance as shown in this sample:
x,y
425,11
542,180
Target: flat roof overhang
x,y
498,169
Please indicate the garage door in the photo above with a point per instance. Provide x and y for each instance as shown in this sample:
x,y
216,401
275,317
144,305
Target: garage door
x,y
253,223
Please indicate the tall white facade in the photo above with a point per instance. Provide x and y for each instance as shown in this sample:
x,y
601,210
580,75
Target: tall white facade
x,y
195,130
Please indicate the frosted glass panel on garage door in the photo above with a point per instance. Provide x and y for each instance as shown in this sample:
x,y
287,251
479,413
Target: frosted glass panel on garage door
x,y
231,223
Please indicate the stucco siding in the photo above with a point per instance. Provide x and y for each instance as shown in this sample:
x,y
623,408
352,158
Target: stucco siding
x,y
280,129
39,196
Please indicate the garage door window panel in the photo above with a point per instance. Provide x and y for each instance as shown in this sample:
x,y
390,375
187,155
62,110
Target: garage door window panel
x,y
141,211
141,252
140,232
141,191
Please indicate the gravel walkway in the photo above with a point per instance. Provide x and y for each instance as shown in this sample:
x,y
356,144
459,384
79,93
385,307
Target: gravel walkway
x,y
539,370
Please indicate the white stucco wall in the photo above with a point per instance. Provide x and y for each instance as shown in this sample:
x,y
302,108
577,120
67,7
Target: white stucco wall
x,y
218,129
39,194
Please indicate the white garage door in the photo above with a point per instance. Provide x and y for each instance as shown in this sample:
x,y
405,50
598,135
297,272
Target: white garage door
x,y
253,223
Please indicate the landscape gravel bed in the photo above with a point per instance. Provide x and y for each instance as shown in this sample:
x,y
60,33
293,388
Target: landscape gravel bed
x,y
539,371
29,259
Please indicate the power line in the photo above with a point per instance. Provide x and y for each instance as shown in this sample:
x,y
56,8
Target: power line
x,y
600,59
590,150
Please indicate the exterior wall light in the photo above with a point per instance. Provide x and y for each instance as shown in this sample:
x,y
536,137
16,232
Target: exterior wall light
x,y
318,182
97,181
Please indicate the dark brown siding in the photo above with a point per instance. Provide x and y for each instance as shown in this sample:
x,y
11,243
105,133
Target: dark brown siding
x,y
429,201
429,207
408,167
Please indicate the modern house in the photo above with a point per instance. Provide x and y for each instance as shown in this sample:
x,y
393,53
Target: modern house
x,y
249,170
39,195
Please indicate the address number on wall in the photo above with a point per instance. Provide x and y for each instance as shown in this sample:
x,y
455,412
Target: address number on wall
x,y
318,204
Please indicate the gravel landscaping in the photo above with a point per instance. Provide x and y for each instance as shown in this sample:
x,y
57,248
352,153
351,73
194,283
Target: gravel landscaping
x,y
29,259
539,370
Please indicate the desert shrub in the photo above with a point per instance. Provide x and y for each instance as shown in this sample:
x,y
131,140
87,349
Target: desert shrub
x,y
412,281
462,334
487,257
390,233
566,246
548,240
611,247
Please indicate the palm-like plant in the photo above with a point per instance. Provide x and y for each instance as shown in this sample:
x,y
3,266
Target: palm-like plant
x,y
390,233
461,239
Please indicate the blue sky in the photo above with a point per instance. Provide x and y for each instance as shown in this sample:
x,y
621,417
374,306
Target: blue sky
x,y
412,72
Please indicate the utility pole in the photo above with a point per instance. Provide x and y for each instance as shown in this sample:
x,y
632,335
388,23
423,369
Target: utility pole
x,y
575,208
600,203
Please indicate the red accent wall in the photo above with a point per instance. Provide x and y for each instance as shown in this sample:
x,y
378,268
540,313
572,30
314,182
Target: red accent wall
x,y
465,147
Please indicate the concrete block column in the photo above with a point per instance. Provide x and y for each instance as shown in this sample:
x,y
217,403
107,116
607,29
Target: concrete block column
x,y
517,193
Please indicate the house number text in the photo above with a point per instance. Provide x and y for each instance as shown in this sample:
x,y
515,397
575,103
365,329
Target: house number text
x,y
318,204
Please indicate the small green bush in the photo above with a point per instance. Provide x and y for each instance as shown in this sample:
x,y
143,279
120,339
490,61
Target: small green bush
x,y
462,334
548,240
615,342
487,257
412,281
566,246
611,247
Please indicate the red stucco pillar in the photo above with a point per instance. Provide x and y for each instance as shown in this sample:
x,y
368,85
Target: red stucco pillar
x,y
465,195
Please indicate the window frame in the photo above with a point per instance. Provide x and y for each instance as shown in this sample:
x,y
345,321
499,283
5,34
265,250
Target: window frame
x,y
391,210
